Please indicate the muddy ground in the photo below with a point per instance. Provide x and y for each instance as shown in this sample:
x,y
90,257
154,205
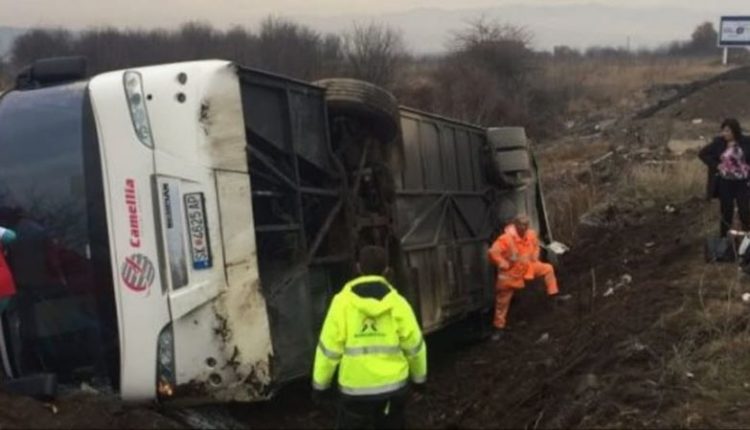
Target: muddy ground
x,y
602,365
652,337
602,362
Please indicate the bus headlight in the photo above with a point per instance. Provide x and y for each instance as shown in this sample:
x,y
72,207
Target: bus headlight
x,y
133,84
165,367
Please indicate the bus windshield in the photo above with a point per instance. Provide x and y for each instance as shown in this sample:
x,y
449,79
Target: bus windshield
x,y
62,319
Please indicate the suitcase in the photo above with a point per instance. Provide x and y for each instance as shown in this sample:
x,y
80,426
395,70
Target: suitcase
x,y
720,250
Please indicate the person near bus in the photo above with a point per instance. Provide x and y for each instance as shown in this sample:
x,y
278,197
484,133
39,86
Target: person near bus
x,y
516,254
372,337
7,284
728,160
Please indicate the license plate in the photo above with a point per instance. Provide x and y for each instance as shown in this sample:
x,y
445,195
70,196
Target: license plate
x,y
196,221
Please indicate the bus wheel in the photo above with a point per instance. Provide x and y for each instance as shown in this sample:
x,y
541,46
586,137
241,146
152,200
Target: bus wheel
x,y
373,106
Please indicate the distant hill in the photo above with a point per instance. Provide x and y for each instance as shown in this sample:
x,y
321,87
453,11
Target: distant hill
x,y
7,36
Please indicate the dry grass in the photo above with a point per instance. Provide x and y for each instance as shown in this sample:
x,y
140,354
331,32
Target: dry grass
x,y
709,362
675,181
597,83
550,156
565,207
566,197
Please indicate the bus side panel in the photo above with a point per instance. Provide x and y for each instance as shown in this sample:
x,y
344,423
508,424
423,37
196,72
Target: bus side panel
x,y
242,309
442,210
244,306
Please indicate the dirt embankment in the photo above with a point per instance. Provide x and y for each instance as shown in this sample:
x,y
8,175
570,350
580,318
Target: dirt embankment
x,y
599,360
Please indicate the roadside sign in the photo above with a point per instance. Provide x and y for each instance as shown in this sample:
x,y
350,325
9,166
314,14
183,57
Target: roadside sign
x,y
734,31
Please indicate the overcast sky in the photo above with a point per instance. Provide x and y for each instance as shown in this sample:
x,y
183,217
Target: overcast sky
x,y
333,14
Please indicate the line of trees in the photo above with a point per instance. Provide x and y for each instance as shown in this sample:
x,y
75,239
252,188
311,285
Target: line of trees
x,y
484,77
279,45
489,75
702,43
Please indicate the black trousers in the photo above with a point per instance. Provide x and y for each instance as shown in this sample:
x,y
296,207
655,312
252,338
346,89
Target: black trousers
x,y
731,192
384,412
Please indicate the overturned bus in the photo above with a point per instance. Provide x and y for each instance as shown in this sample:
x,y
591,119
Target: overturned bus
x,y
182,228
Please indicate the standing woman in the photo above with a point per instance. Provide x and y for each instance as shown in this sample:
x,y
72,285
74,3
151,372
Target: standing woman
x,y
728,161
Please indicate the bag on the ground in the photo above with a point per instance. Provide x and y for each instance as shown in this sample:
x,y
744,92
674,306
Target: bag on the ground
x,y
720,250
744,253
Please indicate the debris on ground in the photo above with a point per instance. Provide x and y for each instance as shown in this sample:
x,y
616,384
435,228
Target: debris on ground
x,y
88,389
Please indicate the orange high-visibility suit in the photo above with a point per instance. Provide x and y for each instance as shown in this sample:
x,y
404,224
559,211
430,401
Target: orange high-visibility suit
x,y
517,261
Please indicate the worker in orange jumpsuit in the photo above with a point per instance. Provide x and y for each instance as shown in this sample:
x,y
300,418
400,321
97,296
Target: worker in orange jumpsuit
x,y
516,255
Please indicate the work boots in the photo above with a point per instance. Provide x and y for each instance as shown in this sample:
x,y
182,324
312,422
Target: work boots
x,y
498,335
557,301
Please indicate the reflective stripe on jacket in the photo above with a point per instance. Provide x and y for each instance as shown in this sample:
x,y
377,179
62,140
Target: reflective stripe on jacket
x,y
512,254
372,334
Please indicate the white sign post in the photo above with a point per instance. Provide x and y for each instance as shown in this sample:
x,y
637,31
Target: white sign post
x,y
734,31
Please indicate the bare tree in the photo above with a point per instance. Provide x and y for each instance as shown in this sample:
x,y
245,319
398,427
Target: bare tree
x,y
331,52
239,45
704,39
281,46
197,41
40,43
373,53
501,48
486,78
702,42
289,48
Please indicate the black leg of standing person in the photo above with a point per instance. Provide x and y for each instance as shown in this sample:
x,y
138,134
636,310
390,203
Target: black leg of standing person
x,y
726,202
743,204
355,414
394,415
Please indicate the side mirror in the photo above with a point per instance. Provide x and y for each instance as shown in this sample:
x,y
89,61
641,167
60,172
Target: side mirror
x,y
49,71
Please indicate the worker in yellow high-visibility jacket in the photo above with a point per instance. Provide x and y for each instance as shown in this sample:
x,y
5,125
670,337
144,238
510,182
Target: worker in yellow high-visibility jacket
x,y
372,336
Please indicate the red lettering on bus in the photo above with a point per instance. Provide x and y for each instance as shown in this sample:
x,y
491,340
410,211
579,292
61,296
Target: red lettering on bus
x,y
131,201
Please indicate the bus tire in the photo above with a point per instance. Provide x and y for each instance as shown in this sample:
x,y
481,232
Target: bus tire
x,y
508,160
374,106
502,138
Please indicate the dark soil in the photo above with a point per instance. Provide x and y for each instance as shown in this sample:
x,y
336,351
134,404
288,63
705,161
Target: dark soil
x,y
601,359
79,411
